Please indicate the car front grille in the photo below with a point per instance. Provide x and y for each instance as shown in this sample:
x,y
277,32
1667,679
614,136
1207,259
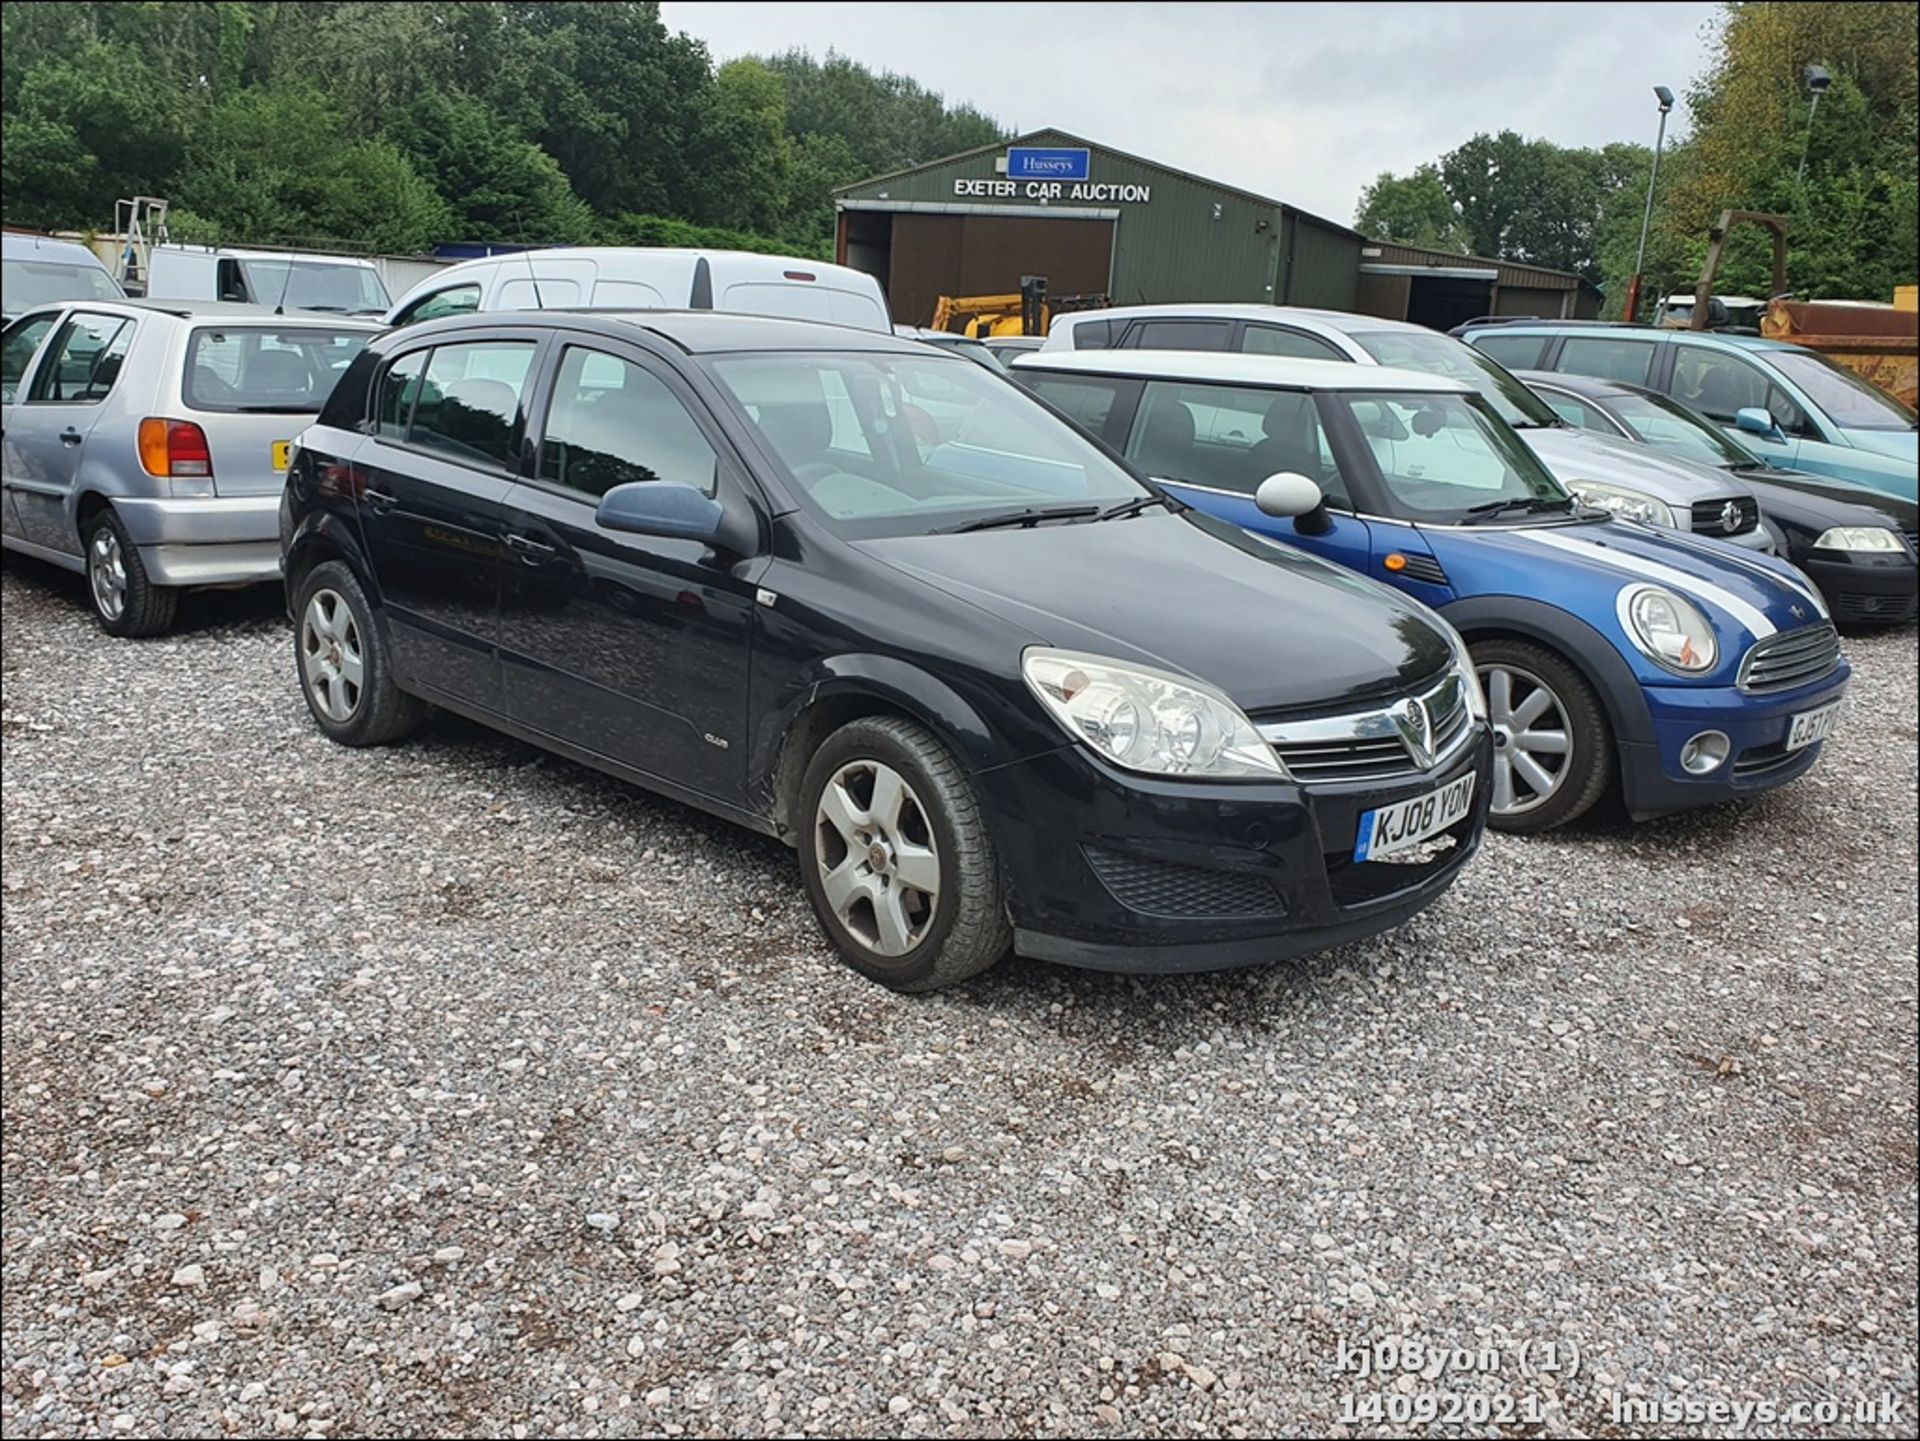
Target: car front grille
x,y
1792,658
1858,608
1371,745
1710,516
1164,888
1758,761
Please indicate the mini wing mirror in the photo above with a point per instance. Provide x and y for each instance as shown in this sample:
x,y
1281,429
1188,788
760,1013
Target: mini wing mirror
x,y
664,508
1291,494
1758,420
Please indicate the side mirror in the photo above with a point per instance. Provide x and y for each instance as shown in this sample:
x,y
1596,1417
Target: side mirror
x,y
1758,420
662,507
1291,494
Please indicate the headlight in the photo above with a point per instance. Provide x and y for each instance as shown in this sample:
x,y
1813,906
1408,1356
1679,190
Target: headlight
x,y
1148,720
1670,630
1469,677
1859,537
1627,504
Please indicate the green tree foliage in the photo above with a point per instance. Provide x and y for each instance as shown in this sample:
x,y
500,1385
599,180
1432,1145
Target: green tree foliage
x,y
1411,210
396,126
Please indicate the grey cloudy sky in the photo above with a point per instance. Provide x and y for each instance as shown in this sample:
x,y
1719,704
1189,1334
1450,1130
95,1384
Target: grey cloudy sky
x,y
1306,103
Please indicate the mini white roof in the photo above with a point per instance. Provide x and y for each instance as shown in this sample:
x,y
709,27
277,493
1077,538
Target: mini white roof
x,y
1226,368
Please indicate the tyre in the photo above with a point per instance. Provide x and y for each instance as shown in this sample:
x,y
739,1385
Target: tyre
x,y
1552,745
896,857
346,670
126,602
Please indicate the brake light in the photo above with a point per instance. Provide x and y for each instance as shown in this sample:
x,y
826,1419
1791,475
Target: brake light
x,y
799,275
174,448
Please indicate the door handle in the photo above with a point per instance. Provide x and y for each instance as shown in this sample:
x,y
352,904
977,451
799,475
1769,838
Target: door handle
x,y
70,436
531,551
379,499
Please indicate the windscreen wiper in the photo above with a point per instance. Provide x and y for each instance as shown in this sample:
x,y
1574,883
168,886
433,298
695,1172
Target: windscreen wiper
x,y
1532,504
1031,516
1138,504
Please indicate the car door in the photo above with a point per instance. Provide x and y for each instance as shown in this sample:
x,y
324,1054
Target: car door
x,y
47,428
445,450
1212,445
633,647
24,339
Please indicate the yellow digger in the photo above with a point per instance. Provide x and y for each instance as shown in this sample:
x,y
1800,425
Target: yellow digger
x,y
1028,312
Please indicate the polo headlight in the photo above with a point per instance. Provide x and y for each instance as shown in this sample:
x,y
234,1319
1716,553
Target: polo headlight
x,y
1624,503
1148,720
1859,537
1670,630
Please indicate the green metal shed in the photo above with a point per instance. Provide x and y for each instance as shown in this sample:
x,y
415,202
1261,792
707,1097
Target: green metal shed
x,y
1092,221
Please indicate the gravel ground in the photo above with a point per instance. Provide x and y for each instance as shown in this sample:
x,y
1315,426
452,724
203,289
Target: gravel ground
x,y
455,1089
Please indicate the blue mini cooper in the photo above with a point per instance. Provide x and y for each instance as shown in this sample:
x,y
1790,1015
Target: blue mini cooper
x,y
1685,669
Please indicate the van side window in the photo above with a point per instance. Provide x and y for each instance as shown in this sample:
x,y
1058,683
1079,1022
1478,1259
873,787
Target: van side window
x,y
233,282
1230,439
1275,340
1177,335
454,300
469,403
86,360
612,423
1603,357
1092,335
1515,352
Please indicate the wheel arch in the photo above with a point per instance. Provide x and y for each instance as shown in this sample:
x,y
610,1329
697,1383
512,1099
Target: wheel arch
x,y
319,539
1566,635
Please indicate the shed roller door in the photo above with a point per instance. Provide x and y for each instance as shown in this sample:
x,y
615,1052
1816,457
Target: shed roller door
x,y
936,255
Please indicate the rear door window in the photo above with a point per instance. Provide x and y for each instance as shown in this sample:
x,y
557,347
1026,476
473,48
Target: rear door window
x,y
399,388
86,361
1719,385
1516,352
1603,357
290,371
1098,404
1178,335
1275,340
1577,412
470,399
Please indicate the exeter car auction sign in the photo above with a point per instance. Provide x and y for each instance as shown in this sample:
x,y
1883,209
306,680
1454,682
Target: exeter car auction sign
x,y
1043,173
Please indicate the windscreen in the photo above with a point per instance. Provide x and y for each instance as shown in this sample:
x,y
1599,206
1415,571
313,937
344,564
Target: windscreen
x,y
1446,457
316,285
1433,354
280,371
1850,402
1676,430
27,283
884,444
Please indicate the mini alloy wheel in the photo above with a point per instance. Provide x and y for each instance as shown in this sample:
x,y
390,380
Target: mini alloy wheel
x,y
1533,746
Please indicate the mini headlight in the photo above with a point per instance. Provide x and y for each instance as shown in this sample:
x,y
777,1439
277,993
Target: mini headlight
x,y
1859,537
1670,630
1147,720
1627,504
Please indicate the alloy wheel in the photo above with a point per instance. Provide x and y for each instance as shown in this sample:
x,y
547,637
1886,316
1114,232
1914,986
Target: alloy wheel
x,y
879,869
1532,742
107,571
330,655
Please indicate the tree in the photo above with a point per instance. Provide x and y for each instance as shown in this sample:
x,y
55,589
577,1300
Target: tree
x,y
497,185
1411,210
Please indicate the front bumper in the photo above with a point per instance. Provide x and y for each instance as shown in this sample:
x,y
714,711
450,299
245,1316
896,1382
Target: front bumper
x,y
1866,587
211,540
1652,777
1118,872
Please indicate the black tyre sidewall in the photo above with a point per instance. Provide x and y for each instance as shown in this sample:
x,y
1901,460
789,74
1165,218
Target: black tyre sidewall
x,y
970,890
1593,739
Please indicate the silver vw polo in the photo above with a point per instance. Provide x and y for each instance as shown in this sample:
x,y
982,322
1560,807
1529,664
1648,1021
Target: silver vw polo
x,y
146,442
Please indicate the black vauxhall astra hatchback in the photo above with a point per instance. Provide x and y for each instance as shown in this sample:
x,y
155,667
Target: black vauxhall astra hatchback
x,y
870,598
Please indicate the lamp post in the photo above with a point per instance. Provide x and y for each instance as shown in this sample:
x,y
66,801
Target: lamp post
x,y
1665,97
1817,80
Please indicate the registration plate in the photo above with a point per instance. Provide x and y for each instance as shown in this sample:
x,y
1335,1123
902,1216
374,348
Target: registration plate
x,y
282,451
1400,827
1812,725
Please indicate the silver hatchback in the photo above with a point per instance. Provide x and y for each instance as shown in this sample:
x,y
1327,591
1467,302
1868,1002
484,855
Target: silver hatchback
x,y
146,442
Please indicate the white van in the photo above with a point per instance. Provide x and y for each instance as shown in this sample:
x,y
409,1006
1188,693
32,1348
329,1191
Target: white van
x,y
281,279
649,279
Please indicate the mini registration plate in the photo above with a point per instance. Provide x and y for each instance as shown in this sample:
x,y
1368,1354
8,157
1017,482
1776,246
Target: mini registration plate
x,y
1402,826
1813,725
282,449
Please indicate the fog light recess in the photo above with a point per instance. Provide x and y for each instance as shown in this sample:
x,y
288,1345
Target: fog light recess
x,y
1705,753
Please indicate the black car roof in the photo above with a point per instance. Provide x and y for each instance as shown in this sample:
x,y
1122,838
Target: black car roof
x,y
697,332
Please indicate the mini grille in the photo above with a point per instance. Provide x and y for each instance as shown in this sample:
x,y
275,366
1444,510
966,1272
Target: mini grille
x,y
1781,662
1423,567
1709,516
1162,888
1761,759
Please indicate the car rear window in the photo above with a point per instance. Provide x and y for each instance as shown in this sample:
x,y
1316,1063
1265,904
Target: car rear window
x,y
266,369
